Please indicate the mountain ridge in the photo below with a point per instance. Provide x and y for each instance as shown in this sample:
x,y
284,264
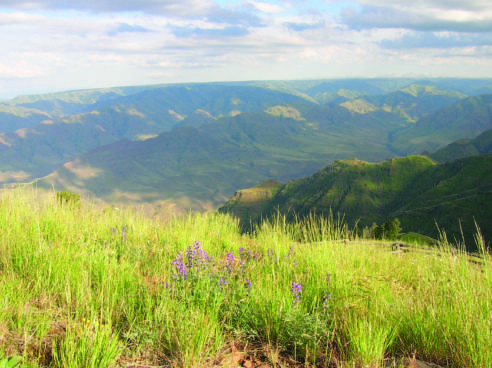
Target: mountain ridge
x,y
415,189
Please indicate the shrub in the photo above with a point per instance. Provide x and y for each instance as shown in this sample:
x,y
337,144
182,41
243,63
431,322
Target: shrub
x,y
68,198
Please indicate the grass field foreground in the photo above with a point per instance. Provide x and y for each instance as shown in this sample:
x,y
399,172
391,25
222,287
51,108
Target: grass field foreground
x,y
85,287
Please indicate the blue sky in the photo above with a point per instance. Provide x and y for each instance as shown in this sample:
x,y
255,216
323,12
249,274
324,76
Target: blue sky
x,y
55,45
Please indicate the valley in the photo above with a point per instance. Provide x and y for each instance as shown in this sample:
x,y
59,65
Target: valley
x,y
180,147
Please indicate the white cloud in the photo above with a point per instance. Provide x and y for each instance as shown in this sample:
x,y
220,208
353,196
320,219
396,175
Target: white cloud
x,y
266,7
424,15
108,43
167,7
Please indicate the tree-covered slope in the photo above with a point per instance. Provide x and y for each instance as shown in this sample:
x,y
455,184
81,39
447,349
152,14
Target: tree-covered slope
x,y
414,189
480,145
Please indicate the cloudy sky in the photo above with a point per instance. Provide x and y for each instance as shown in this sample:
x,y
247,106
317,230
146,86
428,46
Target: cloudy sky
x,y
54,45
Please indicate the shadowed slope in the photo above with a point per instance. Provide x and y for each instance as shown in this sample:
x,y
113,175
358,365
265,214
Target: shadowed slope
x,y
414,189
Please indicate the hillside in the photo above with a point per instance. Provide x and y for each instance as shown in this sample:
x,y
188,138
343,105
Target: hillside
x,y
35,152
464,119
200,167
411,103
253,131
61,104
481,145
18,117
112,288
414,189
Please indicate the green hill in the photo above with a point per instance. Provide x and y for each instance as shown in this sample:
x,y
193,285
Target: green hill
x,y
35,152
464,119
480,145
414,189
74,102
18,117
200,167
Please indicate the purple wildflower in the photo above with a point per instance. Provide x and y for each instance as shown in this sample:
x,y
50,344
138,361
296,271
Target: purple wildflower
x,y
291,252
195,259
180,266
222,283
248,286
296,293
229,262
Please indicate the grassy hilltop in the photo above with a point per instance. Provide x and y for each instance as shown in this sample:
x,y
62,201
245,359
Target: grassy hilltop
x,y
85,287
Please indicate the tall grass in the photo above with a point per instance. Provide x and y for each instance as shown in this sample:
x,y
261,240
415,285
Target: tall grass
x,y
82,286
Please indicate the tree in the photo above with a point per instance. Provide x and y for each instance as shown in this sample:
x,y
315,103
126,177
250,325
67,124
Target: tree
x,y
392,229
389,230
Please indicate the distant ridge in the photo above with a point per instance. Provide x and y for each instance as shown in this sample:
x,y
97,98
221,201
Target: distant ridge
x,y
464,119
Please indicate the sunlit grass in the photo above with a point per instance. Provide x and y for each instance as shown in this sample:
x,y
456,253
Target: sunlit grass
x,y
82,286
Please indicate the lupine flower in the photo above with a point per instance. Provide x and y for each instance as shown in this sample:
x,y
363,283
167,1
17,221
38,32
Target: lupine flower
x,y
196,259
291,252
248,286
229,262
180,267
222,283
296,293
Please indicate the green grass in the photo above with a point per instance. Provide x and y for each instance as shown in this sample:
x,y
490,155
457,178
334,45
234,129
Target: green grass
x,y
85,287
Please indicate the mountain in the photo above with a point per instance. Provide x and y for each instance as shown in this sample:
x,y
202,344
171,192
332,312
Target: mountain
x,y
265,129
200,167
18,117
326,91
411,103
464,119
62,104
481,145
35,152
414,189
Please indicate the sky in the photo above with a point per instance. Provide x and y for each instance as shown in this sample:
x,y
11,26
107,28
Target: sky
x,y
58,45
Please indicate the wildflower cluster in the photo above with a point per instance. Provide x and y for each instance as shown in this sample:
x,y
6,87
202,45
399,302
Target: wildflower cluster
x,y
246,256
230,262
195,258
296,294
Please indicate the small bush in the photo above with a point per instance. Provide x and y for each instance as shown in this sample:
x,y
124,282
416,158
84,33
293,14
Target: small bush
x,y
67,198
